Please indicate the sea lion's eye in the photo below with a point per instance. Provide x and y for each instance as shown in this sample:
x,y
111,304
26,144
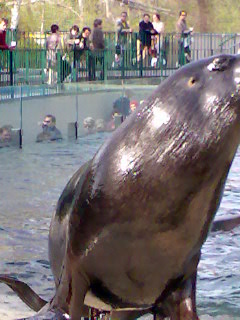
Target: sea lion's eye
x,y
191,82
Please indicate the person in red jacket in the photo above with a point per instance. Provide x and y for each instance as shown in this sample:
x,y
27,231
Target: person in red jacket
x,y
3,27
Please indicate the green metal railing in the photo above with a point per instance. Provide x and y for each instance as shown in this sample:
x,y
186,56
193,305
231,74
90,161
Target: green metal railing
x,y
124,59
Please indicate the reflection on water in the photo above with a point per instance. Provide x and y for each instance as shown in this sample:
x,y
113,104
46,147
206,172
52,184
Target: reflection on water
x,y
31,182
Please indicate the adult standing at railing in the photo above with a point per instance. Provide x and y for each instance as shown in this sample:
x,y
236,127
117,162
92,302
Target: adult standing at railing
x,y
3,28
123,31
81,48
146,30
71,40
158,26
53,45
183,35
98,44
4,62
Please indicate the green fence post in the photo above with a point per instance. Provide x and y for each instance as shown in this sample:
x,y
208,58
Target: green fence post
x,y
235,44
43,64
15,65
105,64
123,63
11,67
27,66
182,55
59,67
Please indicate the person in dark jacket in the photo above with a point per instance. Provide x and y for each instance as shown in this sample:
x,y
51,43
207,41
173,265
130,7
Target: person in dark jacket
x,y
97,55
97,35
146,31
81,46
84,41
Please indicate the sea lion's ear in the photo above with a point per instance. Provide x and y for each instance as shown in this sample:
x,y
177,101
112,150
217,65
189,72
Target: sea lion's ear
x,y
219,64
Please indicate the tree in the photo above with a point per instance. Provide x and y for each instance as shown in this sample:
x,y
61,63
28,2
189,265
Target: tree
x,y
204,15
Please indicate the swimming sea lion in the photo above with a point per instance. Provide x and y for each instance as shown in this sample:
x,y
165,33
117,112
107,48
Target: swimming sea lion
x,y
129,226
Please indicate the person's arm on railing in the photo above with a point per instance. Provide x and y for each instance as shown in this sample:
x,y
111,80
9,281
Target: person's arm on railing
x,y
121,29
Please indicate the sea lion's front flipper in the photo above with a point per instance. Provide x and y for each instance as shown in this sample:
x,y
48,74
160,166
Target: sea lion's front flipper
x,y
181,303
25,293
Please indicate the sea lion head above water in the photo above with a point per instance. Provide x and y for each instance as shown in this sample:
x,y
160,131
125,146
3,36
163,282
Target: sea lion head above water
x,y
130,224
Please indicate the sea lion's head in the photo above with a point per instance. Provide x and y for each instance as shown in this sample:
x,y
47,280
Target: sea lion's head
x,y
207,85
202,99
192,117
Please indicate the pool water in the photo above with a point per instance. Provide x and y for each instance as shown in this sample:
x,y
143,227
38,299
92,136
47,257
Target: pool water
x,y
31,181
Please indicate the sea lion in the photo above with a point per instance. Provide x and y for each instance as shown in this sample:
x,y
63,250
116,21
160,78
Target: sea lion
x,y
128,229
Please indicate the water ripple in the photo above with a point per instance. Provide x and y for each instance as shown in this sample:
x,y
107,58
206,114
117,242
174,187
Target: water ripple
x,y
33,180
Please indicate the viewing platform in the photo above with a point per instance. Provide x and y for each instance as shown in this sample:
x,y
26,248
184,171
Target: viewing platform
x,y
27,64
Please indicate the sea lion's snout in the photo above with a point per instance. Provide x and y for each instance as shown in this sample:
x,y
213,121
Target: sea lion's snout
x,y
227,67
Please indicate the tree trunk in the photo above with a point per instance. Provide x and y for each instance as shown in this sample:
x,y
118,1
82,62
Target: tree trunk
x,y
15,14
107,8
203,15
43,16
80,5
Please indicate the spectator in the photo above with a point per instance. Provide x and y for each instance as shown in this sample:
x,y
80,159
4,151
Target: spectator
x,y
183,37
123,29
3,28
154,59
98,47
72,38
53,44
84,41
133,105
89,125
50,132
97,35
158,26
146,31
5,136
121,106
100,125
70,41
81,47
121,109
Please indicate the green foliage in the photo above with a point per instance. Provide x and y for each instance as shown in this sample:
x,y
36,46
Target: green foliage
x,y
222,16
5,11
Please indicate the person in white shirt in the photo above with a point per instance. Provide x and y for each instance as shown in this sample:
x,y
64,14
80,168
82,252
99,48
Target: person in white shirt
x,y
158,26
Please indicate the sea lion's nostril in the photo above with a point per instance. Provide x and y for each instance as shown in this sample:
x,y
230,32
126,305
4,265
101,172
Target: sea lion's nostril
x,y
219,64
